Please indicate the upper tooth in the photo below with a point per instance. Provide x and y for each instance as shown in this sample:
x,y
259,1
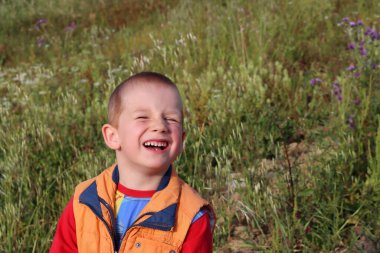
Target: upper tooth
x,y
156,144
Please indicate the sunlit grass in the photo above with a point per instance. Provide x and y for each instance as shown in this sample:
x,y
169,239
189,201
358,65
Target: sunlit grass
x,y
287,164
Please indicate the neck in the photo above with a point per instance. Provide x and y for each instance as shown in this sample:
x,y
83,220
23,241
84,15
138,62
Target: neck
x,y
139,179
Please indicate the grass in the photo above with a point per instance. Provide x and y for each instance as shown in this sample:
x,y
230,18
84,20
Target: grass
x,y
287,165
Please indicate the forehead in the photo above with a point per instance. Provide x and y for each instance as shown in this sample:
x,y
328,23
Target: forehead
x,y
145,95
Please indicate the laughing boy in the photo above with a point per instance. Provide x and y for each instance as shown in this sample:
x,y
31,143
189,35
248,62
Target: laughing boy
x,y
139,204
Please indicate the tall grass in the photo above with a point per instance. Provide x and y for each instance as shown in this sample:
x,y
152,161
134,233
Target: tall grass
x,y
289,165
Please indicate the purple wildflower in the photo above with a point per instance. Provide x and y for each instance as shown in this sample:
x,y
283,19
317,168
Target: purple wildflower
x,y
374,34
350,46
373,65
357,74
315,81
359,22
71,27
40,22
40,42
357,101
363,51
368,31
351,67
352,24
351,121
337,91
345,19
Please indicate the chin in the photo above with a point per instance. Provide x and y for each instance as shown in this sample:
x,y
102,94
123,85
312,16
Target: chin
x,y
155,168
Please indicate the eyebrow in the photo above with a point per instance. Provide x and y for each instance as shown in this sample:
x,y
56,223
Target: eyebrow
x,y
140,110
147,110
173,112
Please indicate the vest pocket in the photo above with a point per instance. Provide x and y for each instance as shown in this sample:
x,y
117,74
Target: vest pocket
x,y
144,245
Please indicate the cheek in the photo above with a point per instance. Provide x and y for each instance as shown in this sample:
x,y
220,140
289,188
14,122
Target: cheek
x,y
131,131
177,132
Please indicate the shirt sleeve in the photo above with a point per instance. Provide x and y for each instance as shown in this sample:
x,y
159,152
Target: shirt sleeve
x,y
65,239
199,236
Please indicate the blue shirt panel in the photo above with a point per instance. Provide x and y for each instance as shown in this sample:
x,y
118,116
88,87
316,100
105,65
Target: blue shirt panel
x,y
129,210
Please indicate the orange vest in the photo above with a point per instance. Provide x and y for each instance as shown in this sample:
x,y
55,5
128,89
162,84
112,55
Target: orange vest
x,y
161,226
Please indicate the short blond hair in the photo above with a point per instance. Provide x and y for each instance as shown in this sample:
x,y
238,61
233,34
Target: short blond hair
x,y
115,104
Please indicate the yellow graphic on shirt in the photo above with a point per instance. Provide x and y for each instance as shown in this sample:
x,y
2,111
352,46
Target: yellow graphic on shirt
x,y
118,199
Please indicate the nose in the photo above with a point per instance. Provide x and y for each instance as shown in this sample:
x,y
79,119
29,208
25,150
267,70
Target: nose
x,y
159,125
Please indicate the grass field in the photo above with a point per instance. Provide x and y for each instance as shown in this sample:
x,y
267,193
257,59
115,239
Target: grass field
x,y
282,113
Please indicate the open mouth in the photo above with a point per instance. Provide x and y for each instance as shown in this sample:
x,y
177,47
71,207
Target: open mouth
x,y
161,145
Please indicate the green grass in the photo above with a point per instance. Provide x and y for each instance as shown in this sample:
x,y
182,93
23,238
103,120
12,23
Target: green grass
x,y
287,166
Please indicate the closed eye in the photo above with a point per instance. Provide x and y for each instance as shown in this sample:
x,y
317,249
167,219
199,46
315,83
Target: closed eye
x,y
141,117
172,119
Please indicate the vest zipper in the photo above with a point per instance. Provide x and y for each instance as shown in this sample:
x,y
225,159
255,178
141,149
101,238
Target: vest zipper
x,y
112,223
104,222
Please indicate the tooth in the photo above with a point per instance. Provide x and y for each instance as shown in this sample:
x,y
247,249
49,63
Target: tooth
x,y
156,144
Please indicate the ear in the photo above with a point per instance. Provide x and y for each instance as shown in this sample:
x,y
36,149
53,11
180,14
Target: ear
x,y
111,137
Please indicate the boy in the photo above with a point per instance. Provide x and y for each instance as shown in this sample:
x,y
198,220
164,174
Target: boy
x,y
139,204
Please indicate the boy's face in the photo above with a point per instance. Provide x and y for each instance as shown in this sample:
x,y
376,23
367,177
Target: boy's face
x,y
150,130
